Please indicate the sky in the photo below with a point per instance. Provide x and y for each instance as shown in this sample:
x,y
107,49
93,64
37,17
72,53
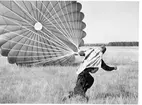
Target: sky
x,y
108,21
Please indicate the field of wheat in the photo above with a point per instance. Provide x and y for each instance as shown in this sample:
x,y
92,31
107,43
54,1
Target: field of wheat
x,y
50,84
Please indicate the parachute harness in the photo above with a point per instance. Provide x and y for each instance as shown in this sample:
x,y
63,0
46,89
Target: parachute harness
x,y
92,58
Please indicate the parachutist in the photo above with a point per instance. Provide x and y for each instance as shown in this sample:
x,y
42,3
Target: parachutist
x,y
85,80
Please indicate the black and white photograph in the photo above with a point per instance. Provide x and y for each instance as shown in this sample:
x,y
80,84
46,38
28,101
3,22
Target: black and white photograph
x,y
69,52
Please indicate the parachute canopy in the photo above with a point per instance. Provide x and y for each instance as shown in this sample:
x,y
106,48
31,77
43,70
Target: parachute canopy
x,y
41,32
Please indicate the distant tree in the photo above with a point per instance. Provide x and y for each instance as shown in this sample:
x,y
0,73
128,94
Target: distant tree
x,y
123,43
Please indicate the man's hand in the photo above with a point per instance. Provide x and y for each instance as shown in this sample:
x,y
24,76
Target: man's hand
x,y
115,68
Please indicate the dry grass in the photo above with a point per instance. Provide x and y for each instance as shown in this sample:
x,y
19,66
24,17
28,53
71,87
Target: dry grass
x,y
51,84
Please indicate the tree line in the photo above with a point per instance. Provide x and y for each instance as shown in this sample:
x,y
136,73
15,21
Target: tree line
x,y
134,43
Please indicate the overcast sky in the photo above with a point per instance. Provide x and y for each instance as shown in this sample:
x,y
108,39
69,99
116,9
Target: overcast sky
x,y
110,21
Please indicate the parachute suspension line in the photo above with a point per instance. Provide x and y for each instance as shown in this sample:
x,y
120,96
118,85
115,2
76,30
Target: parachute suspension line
x,y
29,35
73,19
65,21
57,23
45,60
34,52
54,25
29,46
43,26
26,27
48,60
63,24
9,19
72,33
42,18
26,8
35,33
14,12
28,39
19,14
77,26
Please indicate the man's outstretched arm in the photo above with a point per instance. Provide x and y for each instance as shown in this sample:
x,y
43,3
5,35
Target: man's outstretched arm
x,y
106,67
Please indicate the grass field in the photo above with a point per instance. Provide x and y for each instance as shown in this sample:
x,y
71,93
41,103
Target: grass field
x,y
51,84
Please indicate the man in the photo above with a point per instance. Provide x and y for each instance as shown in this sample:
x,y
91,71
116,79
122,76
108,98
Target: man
x,y
92,63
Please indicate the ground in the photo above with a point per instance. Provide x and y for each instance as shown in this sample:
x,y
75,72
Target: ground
x,y
50,84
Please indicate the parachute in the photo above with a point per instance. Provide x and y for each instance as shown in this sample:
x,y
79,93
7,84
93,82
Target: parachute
x,y
41,32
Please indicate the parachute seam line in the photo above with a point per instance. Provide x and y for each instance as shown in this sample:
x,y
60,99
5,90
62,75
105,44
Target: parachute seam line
x,y
16,44
36,10
73,19
22,46
59,10
56,22
57,58
4,26
32,56
34,15
43,26
54,6
68,17
33,49
25,27
41,10
30,19
30,43
64,60
36,43
44,10
49,59
55,26
69,13
26,7
24,36
65,21
62,24
12,38
43,47
20,35
61,60
26,45
11,18
51,22
78,26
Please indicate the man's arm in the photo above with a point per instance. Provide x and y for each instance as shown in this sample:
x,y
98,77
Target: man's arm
x,y
106,67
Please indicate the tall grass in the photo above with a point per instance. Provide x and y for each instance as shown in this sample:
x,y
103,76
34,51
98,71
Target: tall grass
x,y
50,84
